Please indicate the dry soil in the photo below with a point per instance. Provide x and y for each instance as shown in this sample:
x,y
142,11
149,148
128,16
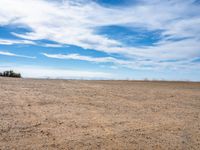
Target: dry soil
x,y
66,114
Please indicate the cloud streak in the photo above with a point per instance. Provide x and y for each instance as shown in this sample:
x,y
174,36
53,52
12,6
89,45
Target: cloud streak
x,y
132,64
80,57
5,53
11,42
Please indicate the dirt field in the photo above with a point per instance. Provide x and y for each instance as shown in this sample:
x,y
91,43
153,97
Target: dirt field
x,y
62,114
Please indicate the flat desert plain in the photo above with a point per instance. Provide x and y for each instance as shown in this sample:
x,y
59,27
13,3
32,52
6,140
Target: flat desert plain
x,y
72,114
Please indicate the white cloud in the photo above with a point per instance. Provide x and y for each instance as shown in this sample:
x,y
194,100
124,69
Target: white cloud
x,y
11,42
51,45
5,53
80,57
126,63
71,22
27,42
133,64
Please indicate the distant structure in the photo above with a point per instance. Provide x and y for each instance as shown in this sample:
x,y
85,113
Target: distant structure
x,y
10,73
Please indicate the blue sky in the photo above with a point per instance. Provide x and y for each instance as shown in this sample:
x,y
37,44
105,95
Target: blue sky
x,y
101,39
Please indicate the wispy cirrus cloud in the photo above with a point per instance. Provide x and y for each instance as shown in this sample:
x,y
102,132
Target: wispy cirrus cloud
x,y
13,41
133,64
6,53
81,57
77,23
27,42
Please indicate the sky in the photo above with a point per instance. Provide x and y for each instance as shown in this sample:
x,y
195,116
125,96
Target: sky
x,y
101,39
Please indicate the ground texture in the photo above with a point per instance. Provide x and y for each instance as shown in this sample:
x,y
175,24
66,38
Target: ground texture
x,y
62,114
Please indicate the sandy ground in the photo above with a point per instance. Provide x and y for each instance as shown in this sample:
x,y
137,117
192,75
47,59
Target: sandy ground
x,y
62,114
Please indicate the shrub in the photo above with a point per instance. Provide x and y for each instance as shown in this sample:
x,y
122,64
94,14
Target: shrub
x,y
10,73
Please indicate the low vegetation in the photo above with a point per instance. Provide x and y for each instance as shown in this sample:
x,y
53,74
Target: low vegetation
x,y
10,73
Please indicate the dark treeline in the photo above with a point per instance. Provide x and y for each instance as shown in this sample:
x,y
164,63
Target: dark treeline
x,y
10,73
